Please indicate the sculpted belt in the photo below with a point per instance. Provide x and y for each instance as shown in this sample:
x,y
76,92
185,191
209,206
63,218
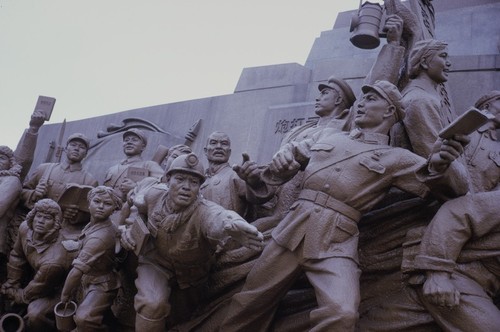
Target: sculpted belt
x,y
323,199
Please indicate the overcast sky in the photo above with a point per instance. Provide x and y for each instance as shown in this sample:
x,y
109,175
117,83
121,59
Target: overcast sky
x,y
105,56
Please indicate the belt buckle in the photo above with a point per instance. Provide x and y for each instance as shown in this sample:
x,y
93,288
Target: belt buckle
x,y
321,198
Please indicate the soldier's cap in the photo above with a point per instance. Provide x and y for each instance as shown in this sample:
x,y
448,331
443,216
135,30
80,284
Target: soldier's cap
x,y
137,132
334,83
79,137
484,99
389,92
187,163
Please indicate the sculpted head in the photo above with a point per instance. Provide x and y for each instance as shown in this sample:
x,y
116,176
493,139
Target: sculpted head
x,y
134,142
77,147
174,152
491,103
334,97
218,148
103,201
429,57
45,218
379,107
7,161
184,179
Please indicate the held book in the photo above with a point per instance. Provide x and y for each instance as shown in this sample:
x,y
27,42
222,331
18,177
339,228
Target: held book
x,y
136,174
46,105
466,123
139,233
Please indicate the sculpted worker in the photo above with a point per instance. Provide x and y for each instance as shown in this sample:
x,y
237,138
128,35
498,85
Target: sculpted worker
x,y
222,184
94,267
134,143
459,256
38,252
186,231
10,187
345,175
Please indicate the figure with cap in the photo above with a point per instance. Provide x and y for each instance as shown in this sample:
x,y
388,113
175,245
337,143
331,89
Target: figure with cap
x,y
119,176
10,187
482,154
94,268
345,176
186,230
334,105
50,180
38,265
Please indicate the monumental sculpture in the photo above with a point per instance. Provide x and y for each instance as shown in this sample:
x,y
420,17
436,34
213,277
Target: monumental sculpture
x,y
365,231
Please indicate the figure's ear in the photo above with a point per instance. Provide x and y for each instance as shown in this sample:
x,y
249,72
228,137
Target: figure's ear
x,y
339,100
390,111
424,63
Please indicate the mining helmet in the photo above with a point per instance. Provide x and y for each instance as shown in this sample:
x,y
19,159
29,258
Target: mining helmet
x,y
187,163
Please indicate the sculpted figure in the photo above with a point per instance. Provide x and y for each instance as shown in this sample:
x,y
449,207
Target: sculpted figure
x,y
426,113
51,179
222,184
459,255
117,177
186,231
10,187
345,175
94,267
38,252
482,154
174,152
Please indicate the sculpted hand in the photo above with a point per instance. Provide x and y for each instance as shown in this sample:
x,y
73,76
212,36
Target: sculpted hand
x,y
70,212
127,185
439,290
446,151
126,239
283,161
65,298
246,234
248,171
37,120
40,191
394,28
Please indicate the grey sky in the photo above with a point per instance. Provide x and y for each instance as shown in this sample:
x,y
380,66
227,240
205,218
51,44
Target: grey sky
x,y
101,57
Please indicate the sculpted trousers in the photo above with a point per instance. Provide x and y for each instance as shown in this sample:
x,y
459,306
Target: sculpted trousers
x,y
335,281
90,313
151,302
40,314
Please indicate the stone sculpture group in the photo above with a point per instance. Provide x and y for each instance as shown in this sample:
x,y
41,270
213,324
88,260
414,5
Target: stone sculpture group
x,y
366,220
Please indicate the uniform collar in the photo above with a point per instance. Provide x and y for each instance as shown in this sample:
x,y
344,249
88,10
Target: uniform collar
x,y
71,167
369,138
131,160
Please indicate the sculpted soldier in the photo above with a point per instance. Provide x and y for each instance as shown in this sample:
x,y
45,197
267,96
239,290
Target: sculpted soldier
x,y
10,187
186,231
94,267
38,252
334,106
345,175
482,154
174,152
51,179
134,143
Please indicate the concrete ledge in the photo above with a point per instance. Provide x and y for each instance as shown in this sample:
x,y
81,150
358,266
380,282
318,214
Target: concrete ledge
x,y
272,76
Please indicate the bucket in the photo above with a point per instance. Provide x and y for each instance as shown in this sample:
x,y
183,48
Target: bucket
x,y
64,315
11,323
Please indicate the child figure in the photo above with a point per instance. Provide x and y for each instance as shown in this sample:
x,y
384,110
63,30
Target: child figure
x,y
95,263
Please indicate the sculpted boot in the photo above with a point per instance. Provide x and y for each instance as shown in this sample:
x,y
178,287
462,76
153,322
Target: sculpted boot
x,y
150,325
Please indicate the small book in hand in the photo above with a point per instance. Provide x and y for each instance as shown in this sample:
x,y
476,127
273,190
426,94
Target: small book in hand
x,y
466,123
